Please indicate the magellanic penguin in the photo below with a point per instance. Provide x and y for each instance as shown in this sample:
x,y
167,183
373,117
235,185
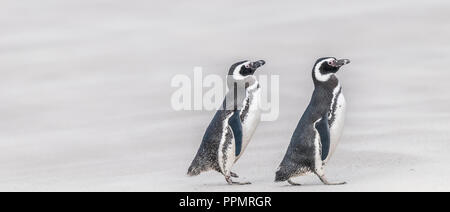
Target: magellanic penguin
x,y
234,124
320,127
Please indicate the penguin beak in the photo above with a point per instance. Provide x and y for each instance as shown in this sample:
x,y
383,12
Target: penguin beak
x,y
257,64
341,62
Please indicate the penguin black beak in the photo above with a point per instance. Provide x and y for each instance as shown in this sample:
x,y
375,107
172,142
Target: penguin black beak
x,y
257,64
341,62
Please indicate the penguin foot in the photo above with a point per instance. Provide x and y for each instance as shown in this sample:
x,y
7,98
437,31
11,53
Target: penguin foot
x,y
325,181
292,183
244,183
234,175
338,183
231,182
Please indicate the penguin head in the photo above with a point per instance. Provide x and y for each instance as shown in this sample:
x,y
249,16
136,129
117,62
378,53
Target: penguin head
x,y
326,67
244,69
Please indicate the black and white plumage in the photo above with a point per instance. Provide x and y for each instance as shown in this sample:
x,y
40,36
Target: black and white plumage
x,y
234,124
320,128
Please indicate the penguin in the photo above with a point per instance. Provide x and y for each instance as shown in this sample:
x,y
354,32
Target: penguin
x,y
320,128
234,124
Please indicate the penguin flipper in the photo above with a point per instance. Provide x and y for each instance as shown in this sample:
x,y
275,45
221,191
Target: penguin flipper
x,y
236,126
324,132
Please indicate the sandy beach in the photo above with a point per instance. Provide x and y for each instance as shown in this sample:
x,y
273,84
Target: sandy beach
x,y
85,91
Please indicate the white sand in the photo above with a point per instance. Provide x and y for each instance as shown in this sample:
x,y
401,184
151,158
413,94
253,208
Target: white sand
x,y
85,91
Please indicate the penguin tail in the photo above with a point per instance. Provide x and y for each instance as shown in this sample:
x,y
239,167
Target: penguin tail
x,y
281,176
201,163
197,167
194,171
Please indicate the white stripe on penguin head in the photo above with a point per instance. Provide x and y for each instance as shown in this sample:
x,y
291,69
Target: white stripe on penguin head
x,y
319,76
236,73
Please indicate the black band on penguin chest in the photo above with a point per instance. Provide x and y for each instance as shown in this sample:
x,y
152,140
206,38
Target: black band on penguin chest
x,y
334,107
246,107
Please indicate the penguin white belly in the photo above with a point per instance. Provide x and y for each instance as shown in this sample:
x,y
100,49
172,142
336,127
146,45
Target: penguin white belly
x,y
251,120
337,126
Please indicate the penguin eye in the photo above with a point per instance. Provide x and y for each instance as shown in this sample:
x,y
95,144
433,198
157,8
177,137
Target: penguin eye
x,y
247,66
